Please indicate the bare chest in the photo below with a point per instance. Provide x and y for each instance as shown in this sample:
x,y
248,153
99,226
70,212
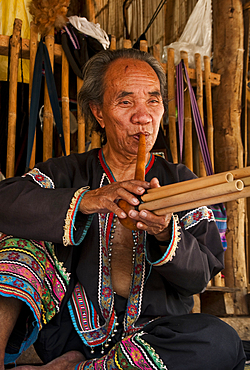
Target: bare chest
x,y
122,260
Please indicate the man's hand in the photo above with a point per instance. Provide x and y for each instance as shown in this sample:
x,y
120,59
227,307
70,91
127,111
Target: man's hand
x,y
159,226
104,200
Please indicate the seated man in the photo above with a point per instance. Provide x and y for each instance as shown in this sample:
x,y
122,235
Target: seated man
x,y
88,292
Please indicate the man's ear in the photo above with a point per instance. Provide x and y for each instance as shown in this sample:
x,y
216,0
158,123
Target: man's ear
x,y
97,112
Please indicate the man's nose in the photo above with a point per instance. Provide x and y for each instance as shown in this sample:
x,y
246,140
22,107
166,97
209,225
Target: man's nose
x,y
141,115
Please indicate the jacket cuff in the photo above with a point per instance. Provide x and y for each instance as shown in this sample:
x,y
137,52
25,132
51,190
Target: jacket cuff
x,y
73,235
172,246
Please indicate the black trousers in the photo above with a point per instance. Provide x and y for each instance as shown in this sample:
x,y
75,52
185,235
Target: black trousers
x,y
187,342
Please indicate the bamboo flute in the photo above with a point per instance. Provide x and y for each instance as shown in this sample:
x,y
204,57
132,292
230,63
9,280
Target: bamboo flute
x,y
245,193
65,102
139,175
194,195
186,186
171,105
48,118
14,58
81,121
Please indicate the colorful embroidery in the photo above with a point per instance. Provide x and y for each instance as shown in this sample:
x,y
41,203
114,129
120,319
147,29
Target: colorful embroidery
x,y
68,237
40,178
131,353
31,272
195,216
173,245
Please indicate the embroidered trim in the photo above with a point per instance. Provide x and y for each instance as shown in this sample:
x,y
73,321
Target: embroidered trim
x,y
195,216
131,353
40,178
68,237
173,245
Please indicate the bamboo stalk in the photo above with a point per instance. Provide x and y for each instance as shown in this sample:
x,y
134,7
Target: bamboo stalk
x,y
81,122
65,102
245,193
127,44
188,139
33,50
210,126
193,195
199,98
156,52
113,43
171,105
14,58
186,186
48,118
143,45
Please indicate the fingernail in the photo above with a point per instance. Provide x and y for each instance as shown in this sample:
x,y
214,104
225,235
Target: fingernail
x,y
143,214
132,213
135,200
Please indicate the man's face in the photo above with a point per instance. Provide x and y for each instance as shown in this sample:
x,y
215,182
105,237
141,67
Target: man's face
x,y
132,104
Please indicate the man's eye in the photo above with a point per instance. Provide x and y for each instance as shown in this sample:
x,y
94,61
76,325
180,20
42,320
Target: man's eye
x,y
124,102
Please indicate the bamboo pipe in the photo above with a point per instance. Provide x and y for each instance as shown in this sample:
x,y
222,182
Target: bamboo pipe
x,y
14,58
65,102
191,196
33,50
139,175
210,180
245,193
186,186
81,122
188,139
48,118
171,105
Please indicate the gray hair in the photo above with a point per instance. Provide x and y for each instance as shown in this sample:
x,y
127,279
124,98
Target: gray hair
x,y
94,73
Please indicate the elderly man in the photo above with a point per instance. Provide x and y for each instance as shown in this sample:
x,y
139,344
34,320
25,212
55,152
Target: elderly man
x,y
90,293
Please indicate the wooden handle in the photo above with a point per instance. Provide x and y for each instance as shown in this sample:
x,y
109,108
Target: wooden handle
x,y
128,222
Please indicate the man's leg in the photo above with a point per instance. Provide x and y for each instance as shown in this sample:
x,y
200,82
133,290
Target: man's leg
x,y
9,311
68,361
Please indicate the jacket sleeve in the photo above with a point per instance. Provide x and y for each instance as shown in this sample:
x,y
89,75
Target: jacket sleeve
x,y
193,256
43,204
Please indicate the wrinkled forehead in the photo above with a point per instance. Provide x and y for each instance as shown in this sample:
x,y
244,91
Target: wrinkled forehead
x,y
125,71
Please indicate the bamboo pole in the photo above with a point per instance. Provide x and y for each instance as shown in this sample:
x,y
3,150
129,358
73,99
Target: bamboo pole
x,y
143,45
33,50
171,105
65,102
199,97
188,141
156,52
81,122
194,195
127,44
48,118
113,43
210,126
14,58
